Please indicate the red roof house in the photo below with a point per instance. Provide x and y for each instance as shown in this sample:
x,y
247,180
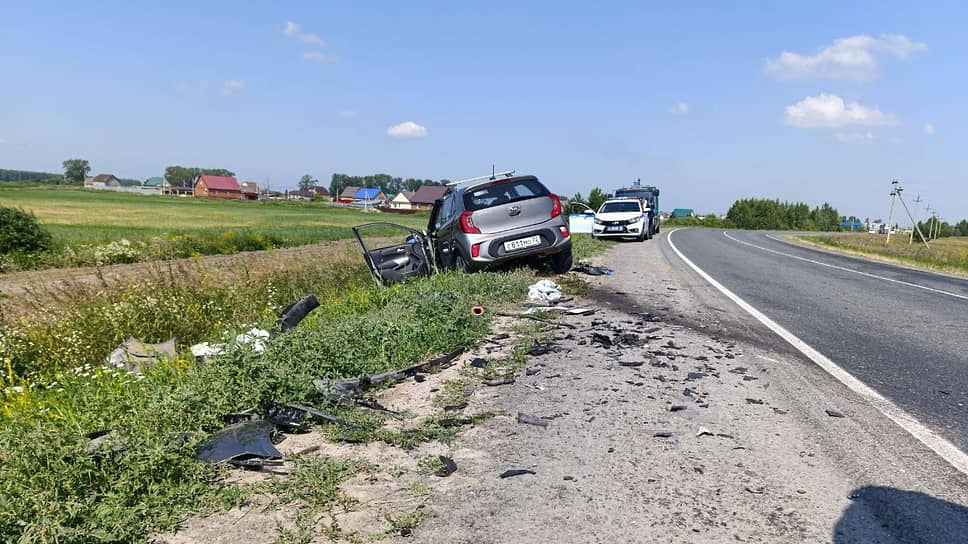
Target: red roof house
x,y
423,198
218,187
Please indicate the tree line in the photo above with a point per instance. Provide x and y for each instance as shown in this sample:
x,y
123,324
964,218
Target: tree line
x,y
766,214
943,229
27,175
387,183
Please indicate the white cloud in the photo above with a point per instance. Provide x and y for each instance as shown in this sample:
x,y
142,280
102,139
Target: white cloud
x,y
294,30
928,128
854,137
407,129
347,113
230,86
846,58
830,111
680,108
318,56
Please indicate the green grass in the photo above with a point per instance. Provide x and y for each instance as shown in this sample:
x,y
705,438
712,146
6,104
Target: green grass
x,y
53,489
945,254
89,226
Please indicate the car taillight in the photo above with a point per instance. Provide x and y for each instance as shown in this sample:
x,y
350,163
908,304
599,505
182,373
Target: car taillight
x,y
467,223
564,230
555,205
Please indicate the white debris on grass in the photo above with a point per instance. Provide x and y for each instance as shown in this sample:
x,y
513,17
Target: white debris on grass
x,y
255,337
544,290
205,349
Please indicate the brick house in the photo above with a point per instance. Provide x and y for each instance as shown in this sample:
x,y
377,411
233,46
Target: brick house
x,y
223,187
423,198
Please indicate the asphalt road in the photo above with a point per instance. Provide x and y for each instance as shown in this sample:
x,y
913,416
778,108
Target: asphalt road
x,y
902,332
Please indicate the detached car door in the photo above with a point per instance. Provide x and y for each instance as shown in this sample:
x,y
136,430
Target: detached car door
x,y
412,256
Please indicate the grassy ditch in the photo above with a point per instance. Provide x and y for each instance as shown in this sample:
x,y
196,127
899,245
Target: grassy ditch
x,y
945,254
54,388
52,488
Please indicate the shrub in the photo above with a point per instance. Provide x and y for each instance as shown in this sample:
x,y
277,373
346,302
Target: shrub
x,y
20,232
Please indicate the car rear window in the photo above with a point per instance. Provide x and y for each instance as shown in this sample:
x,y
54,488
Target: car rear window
x,y
503,192
613,207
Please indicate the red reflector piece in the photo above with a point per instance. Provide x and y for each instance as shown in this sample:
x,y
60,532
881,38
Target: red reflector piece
x,y
555,205
476,250
564,230
467,223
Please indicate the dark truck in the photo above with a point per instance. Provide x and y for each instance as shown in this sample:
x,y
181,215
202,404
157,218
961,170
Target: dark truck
x,y
649,196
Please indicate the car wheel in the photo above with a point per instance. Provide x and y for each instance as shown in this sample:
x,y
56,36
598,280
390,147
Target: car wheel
x,y
464,266
560,262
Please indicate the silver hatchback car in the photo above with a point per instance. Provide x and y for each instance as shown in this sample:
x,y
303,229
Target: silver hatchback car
x,y
477,224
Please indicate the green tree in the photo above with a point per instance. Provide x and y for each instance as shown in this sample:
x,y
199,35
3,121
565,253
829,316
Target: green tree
x,y
75,170
306,182
19,231
181,176
596,197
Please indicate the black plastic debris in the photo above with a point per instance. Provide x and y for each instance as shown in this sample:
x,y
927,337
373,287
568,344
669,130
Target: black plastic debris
x,y
739,370
532,370
754,401
834,413
531,420
479,362
419,378
455,407
308,411
592,270
695,376
356,386
630,339
540,348
677,407
239,417
499,381
631,363
448,466
296,312
662,434
601,339
510,473
246,444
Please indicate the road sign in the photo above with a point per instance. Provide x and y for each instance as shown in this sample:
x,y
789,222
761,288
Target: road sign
x,y
850,224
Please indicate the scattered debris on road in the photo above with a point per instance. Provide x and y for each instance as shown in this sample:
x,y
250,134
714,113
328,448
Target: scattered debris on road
x,y
134,355
516,472
531,420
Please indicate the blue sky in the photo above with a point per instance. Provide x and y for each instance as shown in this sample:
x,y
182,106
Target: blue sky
x,y
697,98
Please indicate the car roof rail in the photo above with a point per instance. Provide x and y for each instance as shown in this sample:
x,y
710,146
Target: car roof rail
x,y
489,177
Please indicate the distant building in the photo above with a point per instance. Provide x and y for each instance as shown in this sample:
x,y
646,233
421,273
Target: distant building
x,y
320,191
224,187
156,182
346,197
369,197
102,181
250,190
402,201
425,196
682,212
300,195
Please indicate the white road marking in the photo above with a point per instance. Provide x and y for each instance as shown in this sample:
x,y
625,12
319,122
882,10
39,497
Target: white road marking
x,y
875,276
946,450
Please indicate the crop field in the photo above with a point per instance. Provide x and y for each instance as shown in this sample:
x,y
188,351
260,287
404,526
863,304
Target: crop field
x,y
101,227
945,254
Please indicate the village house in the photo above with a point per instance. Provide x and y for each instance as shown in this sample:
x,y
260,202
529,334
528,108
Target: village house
x,y
101,181
402,201
369,197
250,190
224,187
346,197
423,198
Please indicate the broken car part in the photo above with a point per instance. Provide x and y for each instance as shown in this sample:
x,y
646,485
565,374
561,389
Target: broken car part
x,y
134,355
243,444
296,312
355,386
516,472
531,420
395,263
448,466
592,270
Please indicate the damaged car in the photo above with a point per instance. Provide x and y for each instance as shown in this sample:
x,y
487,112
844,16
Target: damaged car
x,y
478,223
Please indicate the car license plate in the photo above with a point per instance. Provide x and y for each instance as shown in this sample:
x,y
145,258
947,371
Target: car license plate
x,y
615,228
522,243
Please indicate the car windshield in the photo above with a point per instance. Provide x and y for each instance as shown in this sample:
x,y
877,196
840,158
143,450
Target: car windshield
x,y
619,207
503,192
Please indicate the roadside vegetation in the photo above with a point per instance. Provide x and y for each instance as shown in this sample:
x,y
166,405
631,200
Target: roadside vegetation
x,y
55,387
945,254
90,228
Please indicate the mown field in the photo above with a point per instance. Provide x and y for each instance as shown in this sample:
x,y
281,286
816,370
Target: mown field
x,y
945,254
101,227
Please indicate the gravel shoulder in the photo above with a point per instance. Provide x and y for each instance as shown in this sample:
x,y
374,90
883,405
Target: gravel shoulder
x,y
717,432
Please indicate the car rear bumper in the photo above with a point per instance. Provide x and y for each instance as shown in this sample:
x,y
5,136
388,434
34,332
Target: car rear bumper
x,y
492,249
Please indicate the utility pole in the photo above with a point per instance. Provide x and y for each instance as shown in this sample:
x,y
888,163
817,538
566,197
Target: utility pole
x,y
890,219
914,219
916,227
